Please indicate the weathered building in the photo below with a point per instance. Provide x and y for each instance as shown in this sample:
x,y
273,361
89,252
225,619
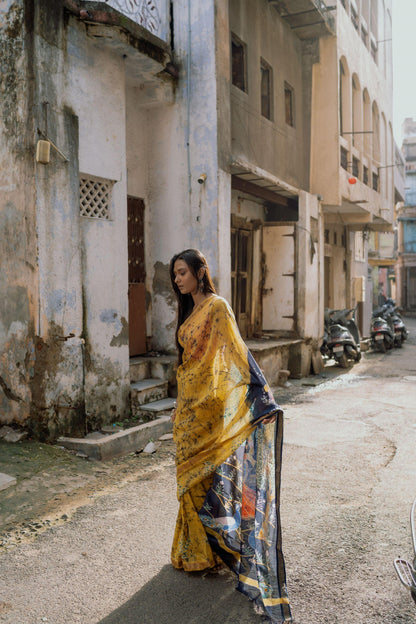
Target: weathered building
x,y
406,221
353,148
79,82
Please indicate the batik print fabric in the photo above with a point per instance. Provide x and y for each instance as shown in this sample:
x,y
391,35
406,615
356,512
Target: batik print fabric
x,y
228,487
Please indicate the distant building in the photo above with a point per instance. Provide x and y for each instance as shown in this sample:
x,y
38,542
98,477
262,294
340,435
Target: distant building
x,y
406,219
383,246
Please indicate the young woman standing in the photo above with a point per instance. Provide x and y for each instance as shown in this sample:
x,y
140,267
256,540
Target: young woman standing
x,y
228,434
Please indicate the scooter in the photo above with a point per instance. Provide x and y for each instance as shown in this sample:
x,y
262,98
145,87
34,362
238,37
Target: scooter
x,y
405,570
341,338
382,332
399,328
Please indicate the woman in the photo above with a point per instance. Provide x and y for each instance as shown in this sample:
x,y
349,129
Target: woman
x,y
227,456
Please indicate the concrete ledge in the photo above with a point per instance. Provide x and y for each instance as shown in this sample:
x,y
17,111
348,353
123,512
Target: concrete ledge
x,y
118,444
6,481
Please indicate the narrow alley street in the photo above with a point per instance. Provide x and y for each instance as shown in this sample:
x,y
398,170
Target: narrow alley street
x,y
349,478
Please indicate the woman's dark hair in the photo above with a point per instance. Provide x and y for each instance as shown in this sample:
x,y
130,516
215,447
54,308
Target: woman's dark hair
x,y
195,261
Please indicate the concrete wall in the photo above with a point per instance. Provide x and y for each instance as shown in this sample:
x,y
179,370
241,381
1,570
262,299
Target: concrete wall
x,y
184,212
18,249
64,330
82,260
272,145
328,178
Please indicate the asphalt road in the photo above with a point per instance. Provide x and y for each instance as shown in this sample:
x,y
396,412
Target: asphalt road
x,y
349,478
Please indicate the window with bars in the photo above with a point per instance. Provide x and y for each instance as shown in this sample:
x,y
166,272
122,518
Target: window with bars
x,y
289,105
374,51
354,18
355,167
364,34
238,63
365,175
375,181
266,89
95,197
344,158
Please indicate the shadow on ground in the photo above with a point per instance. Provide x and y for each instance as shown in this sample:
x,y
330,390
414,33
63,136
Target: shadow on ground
x,y
176,597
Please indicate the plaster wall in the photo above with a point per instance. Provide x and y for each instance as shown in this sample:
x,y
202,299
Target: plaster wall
x,y
309,268
184,145
18,249
330,180
95,90
273,145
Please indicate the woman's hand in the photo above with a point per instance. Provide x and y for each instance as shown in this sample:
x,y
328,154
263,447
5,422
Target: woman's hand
x,y
270,419
173,414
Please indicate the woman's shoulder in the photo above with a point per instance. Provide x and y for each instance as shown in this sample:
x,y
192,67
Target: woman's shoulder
x,y
220,305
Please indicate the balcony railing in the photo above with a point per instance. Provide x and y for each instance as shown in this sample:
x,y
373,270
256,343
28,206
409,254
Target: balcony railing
x,y
151,14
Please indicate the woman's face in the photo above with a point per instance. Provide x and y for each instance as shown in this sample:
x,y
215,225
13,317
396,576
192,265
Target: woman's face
x,y
184,278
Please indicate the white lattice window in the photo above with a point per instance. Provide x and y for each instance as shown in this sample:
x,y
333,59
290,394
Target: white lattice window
x,y
95,197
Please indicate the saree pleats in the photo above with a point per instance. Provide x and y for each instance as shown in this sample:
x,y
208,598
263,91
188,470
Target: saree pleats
x,y
228,488
241,516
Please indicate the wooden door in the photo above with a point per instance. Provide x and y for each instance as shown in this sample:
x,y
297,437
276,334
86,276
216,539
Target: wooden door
x,y
241,270
137,276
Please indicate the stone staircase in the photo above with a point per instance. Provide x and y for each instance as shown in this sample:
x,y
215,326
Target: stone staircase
x,y
152,380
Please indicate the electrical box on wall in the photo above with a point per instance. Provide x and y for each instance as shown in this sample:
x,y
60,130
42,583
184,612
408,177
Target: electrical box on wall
x,y
359,284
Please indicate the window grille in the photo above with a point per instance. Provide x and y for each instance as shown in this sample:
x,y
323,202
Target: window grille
x,y
354,18
365,175
238,62
289,105
375,182
355,167
344,158
95,197
266,89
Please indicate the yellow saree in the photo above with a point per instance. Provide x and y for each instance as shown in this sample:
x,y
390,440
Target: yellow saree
x,y
222,400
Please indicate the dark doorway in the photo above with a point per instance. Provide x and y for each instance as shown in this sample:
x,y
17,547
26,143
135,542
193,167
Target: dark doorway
x,y
241,273
137,276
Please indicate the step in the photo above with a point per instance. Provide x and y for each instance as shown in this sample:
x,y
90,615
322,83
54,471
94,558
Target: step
x,y
158,408
139,369
148,390
154,366
121,443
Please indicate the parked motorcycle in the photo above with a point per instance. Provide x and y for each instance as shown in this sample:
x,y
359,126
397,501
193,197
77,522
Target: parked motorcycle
x,y
399,328
341,337
382,330
405,570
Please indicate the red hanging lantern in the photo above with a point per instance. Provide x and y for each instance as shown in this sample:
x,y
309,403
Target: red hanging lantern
x,y
352,180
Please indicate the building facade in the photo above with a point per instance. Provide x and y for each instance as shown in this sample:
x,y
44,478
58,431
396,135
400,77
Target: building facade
x,y
353,129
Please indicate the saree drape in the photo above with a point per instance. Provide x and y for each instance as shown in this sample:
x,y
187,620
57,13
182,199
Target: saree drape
x,y
228,461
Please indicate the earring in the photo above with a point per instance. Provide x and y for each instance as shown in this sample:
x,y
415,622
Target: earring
x,y
201,285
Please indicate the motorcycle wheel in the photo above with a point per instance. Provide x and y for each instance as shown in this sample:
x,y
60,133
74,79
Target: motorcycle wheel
x,y
398,343
358,357
382,346
342,360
